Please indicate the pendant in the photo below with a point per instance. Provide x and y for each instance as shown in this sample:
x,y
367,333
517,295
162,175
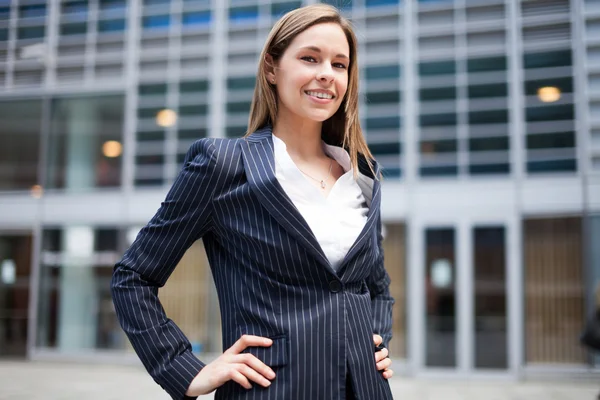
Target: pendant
x,y
322,184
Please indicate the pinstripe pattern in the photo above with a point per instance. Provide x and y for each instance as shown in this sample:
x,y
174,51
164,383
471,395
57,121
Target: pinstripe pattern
x,y
271,275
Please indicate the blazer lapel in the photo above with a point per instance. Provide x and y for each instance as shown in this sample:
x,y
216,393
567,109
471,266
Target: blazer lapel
x,y
259,164
372,215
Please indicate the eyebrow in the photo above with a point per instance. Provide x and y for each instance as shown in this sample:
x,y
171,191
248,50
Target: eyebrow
x,y
318,50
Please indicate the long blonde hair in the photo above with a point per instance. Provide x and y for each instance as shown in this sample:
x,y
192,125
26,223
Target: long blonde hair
x,y
341,129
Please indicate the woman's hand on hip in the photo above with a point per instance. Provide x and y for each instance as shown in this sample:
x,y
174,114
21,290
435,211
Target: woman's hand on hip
x,y
235,366
381,358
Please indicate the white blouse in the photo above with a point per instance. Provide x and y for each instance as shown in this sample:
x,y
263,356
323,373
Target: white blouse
x,y
335,220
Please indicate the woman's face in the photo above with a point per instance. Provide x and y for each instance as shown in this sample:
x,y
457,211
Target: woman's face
x,y
311,76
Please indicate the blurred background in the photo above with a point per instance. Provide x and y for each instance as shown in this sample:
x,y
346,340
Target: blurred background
x,y
483,113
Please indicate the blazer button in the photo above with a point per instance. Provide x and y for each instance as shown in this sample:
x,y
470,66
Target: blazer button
x,y
335,286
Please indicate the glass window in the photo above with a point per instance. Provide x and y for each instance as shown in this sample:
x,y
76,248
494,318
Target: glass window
x,y
193,86
385,149
564,85
375,3
444,93
489,169
551,59
79,28
440,297
551,113
438,119
156,2
115,25
489,270
191,134
193,110
486,64
488,117
156,22
383,123
75,307
85,144
485,91
382,72
437,68
241,83
31,32
278,9
383,97
75,7
3,35
106,5
438,146
151,136
488,144
569,165
32,11
447,170
239,107
196,18
152,89
20,150
551,140
235,131
4,13
243,14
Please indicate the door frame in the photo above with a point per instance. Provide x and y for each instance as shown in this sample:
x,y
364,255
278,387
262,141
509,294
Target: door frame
x,y
463,225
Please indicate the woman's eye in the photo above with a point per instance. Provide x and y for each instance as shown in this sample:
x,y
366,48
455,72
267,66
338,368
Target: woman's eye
x,y
308,58
340,65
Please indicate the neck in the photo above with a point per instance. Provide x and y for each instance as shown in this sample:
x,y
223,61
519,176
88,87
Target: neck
x,y
302,137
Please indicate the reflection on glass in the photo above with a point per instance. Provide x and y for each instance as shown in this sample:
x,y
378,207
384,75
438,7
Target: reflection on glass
x,y
489,268
19,152
440,297
80,129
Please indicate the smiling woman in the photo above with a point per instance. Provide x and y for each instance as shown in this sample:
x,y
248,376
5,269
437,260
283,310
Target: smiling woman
x,y
290,219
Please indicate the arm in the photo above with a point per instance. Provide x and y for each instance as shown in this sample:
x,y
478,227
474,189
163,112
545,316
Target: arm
x,y
381,299
183,217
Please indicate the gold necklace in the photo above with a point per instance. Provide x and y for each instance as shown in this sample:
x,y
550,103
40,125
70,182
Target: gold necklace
x,y
321,181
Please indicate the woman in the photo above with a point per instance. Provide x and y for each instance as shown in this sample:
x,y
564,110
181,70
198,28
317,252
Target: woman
x,y
291,225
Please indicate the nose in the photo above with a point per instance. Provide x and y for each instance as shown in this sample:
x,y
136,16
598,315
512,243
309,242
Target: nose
x,y
325,74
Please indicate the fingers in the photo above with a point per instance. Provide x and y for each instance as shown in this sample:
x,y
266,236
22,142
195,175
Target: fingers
x,y
377,339
384,364
381,354
387,374
254,363
238,377
248,341
252,375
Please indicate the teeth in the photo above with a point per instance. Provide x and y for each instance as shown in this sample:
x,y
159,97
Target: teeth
x,y
320,95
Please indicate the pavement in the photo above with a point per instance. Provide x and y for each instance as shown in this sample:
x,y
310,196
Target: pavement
x,y
33,380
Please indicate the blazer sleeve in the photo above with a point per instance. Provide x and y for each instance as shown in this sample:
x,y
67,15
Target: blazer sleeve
x,y
183,217
381,299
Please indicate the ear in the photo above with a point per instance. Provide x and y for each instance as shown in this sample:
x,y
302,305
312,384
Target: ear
x,y
269,66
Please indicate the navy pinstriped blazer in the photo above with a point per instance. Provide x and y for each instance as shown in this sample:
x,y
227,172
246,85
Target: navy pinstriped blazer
x,y
271,275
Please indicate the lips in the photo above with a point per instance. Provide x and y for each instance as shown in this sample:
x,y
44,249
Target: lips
x,y
320,95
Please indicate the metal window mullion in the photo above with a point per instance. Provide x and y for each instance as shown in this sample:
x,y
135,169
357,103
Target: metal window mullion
x,y
173,73
462,156
91,38
218,64
12,46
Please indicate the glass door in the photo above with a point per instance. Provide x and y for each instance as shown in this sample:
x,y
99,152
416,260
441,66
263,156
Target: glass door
x,y
463,319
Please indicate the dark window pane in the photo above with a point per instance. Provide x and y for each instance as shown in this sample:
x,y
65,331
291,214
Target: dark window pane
x,y
551,113
486,64
488,144
438,146
383,97
483,91
193,110
235,131
191,133
152,136
437,68
489,270
488,117
489,169
241,14
375,3
440,297
241,83
4,13
156,22
156,2
391,172
31,32
75,7
196,18
552,166
193,86
152,89
438,120
450,170
239,107
446,93
382,72
551,140
380,149
3,35
106,5
550,59
79,28
32,11
149,112
565,85
116,25
150,159
278,9
383,123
